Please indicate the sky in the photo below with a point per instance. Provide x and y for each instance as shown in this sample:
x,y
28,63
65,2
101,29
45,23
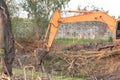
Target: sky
x,y
113,6
108,5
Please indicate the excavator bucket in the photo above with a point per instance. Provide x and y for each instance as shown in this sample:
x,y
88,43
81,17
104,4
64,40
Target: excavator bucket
x,y
40,55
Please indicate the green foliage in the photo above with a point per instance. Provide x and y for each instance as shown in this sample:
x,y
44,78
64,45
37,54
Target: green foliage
x,y
110,39
22,28
42,8
17,71
39,11
59,78
118,17
15,21
78,40
13,7
92,8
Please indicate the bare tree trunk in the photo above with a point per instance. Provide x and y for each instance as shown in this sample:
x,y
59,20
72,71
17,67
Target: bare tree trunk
x,y
8,38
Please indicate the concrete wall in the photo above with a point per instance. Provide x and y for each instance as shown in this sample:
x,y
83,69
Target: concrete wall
x,y
83,30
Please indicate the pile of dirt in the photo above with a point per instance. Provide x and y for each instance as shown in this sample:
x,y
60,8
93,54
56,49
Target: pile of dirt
x,y
27,47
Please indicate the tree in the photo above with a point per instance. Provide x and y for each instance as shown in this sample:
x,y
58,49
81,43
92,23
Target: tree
x,y
40,10
92,8
118,17
13,7
8,38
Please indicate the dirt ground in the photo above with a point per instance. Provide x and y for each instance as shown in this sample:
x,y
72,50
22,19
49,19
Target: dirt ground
x,y
93,61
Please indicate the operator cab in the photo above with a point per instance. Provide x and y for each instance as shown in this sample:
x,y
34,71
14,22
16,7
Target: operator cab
x,y
118,30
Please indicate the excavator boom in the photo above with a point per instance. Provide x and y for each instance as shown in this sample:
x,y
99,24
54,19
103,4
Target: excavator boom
x,y
83,16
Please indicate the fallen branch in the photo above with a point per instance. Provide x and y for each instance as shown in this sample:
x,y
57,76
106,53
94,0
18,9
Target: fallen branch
x,y
19,45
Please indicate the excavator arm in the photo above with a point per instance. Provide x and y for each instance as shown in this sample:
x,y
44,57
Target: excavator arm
x,y
83,16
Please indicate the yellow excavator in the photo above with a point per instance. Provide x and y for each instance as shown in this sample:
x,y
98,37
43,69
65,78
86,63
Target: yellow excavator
x,y
83,16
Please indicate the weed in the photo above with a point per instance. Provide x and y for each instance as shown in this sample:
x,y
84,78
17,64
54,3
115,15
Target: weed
x,y
80,41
